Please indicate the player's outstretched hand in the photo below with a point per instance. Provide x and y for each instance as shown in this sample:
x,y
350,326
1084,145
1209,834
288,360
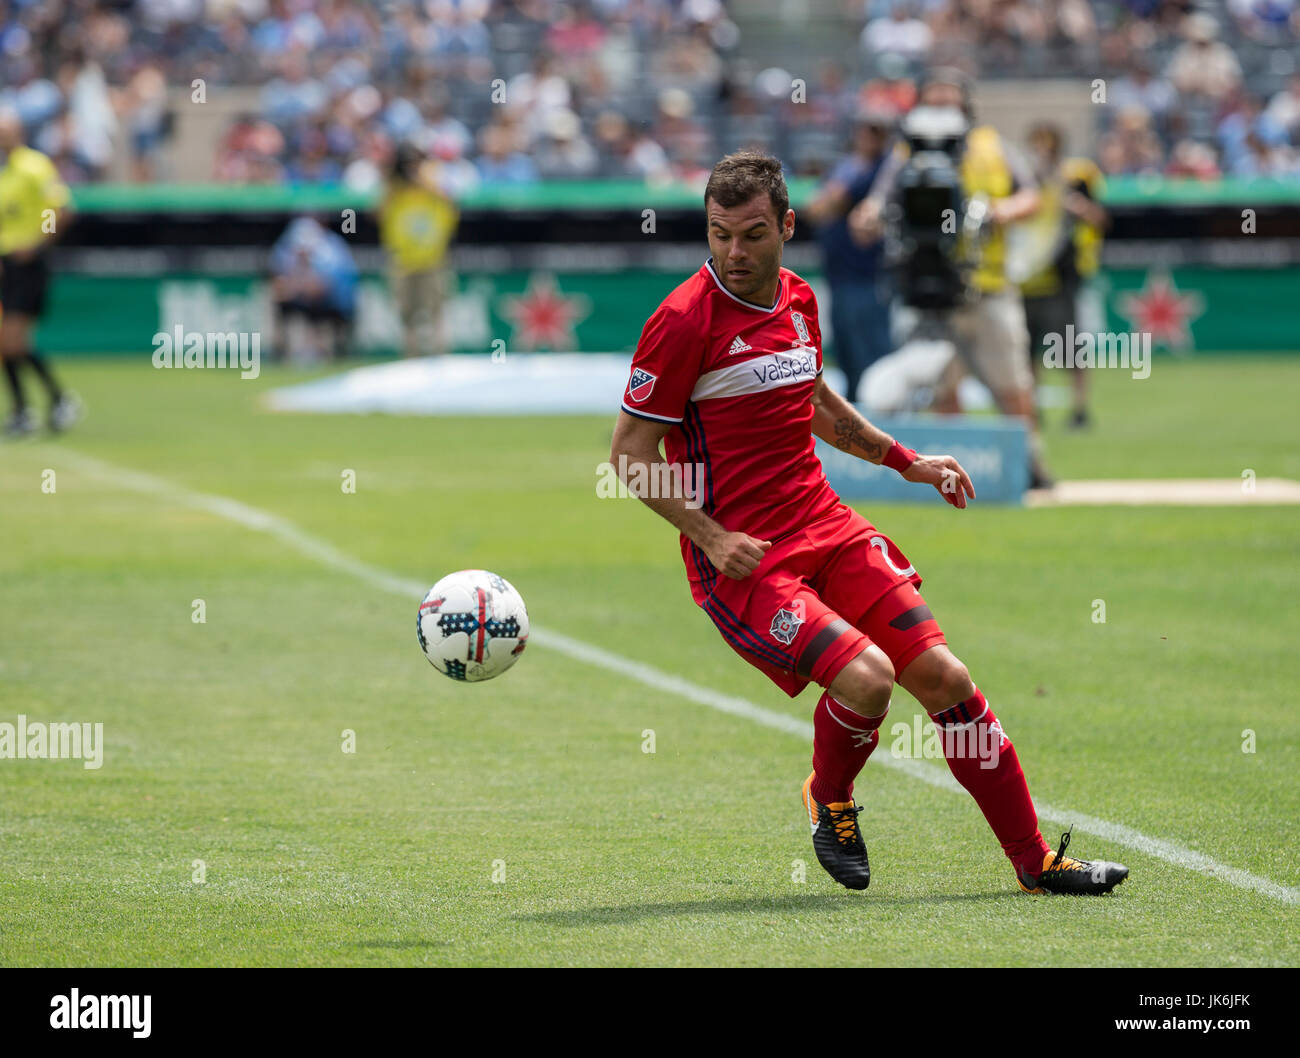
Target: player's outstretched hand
x,y
945,474
736,555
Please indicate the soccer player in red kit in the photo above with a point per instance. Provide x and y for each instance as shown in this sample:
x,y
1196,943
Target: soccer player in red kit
x,y
727,376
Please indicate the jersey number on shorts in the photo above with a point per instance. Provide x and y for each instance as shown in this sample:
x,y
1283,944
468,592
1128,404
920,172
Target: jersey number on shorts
x,y
879,541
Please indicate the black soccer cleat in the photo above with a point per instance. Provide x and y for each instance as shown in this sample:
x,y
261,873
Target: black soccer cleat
x,y
1063,876
837,840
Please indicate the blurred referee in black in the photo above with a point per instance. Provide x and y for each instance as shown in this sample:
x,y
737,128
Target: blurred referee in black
x,y
33,212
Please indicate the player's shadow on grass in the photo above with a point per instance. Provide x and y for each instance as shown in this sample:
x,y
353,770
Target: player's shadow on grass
x,y
596,916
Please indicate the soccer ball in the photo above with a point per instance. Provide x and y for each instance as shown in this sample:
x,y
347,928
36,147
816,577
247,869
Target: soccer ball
x,y
472,625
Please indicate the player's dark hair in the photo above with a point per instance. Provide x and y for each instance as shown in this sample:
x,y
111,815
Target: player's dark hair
x,y
742,175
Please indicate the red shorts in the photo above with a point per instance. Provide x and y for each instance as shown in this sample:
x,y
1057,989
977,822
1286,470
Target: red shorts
x,y
819,598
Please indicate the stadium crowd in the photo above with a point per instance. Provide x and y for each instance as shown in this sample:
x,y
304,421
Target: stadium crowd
x,y
607,88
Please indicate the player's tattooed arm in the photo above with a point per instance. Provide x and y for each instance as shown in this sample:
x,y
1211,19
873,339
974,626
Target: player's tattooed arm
x,y
851,437
837,422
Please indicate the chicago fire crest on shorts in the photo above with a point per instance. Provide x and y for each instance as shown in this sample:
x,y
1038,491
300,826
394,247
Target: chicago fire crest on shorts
x,y
785,626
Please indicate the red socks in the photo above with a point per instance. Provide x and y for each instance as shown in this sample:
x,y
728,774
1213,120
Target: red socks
x,y
842,742
984,761
981,757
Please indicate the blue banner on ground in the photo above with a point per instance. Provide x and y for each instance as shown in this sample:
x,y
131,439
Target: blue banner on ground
x,y
994,452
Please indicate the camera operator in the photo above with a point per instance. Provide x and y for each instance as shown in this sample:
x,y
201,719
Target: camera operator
x,y
944,198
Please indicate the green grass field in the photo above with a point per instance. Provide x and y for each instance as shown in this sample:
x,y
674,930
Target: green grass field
x,y
224,739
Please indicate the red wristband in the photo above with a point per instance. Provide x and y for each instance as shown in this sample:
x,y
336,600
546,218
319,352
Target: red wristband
x,y
899,458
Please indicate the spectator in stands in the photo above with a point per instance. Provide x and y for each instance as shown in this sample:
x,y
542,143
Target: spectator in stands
x,y
564,153
535,94
893,92
33,97
294,94
312,163
689,62
439,124
147,119
419,69
1131,147
575,32
1266,159
454,173
1262,19
1203,65
902,33
499,161
748,122
859,289
365,173
1247,137
1141,88
1192,160
313,287
91,121
249,152
686,140
833,102
1284,109
417,222
628,153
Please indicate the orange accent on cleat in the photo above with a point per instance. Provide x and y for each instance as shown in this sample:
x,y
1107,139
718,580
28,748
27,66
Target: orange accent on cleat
x,y
1065,875
809,802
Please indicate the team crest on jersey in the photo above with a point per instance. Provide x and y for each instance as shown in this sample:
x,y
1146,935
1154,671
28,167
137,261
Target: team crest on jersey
x,y
640,385
785,626
800,325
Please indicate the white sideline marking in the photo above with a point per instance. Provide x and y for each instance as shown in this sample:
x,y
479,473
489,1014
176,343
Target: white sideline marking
x,y
285,531
1171,492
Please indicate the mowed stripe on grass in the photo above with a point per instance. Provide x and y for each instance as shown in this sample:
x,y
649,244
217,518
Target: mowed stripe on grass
x,y
321,551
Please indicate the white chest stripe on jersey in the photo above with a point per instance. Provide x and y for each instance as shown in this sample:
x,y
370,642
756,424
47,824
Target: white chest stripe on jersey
x,y
760,373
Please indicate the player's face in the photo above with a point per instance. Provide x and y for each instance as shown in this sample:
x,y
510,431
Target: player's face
x,y
746,243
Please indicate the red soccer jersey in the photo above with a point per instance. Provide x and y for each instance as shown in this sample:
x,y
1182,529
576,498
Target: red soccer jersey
x,y
736,380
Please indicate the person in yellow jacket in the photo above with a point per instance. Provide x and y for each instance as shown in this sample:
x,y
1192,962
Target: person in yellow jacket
x,y
1069,228
33,212
417,221
988,329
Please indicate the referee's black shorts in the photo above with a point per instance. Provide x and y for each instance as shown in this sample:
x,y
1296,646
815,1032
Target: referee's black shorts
x,y
23,284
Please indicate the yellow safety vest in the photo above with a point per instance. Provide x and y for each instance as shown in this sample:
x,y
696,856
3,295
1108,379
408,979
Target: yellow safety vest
x,y
1085,238
415,226
29,185
984,171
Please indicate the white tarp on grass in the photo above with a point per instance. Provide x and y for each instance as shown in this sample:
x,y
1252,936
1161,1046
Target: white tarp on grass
x,y
521,384
559,384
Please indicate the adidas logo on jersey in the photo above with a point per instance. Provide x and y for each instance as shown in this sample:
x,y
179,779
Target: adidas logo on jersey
x,y
738,345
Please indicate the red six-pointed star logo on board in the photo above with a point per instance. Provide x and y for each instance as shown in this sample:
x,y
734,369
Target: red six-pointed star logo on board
x,y
1159,309
543,317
